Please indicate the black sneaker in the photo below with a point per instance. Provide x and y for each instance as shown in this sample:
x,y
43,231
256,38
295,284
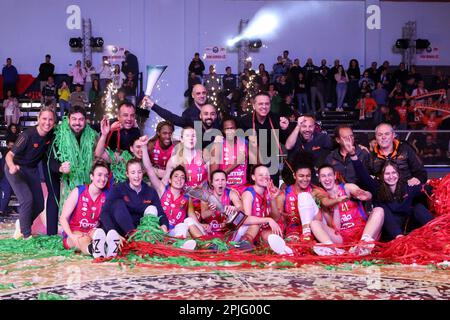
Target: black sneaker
x,y
244,245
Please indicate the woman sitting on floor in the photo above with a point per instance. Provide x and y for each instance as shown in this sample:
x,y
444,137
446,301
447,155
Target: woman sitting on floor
x,y
81,214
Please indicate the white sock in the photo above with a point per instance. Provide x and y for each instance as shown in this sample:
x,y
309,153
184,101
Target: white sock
x,y
307,207
367,238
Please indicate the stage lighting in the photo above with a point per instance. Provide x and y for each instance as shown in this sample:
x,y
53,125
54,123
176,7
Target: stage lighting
x,y
402,43
422,43
76,43
255,44
97,42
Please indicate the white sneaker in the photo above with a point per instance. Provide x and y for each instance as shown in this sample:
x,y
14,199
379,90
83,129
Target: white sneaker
x,y
112,243
151,210
278,245
98,243
323,251
362,249
17,233
189,245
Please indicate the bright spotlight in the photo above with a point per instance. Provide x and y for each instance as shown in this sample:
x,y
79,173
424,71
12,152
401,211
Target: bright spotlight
x,y
262,24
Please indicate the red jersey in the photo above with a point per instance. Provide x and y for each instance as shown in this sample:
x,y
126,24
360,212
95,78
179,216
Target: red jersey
x,y
402,113
217,220
175,208
260,204
352,216
86,215
196,171
238,176
159,156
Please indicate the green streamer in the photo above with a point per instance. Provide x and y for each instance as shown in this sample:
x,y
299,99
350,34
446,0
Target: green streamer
x,y
119,164
51,296
7,286
12,251
66,148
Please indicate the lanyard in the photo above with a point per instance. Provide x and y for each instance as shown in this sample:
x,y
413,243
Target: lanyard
x,y
276,139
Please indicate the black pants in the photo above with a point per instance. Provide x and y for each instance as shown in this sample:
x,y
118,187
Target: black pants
x,y
394,223
120,218
9,86
27,187
53,183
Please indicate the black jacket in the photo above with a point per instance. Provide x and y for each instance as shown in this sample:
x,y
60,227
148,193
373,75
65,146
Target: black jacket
x,y
406,159
345,166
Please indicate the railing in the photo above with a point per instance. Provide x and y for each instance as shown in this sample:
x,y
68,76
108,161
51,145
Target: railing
x,y
418,139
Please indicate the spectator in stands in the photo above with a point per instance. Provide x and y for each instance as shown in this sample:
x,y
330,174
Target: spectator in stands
x,y
300,93
432,122
366,106
397,95
383,67
46,70
212,81
5,188
12,132
275,99
90,75
192,81
12,109
339,157
95,93
400,153
228,81
49,92
366,77
386,114
197,66
284,88
64,98
431,151
413,73
78,75
316,90
287,62
401,74
293,72
287,106
354,74
265,81
117,77
131,64
129,84
78,97
409,86
402,111
105,73
341,87
380,94
332,88
372,72
309,69
365,88
262,71
10,77
324,83
278,69
419,91
440,82
385,79
304,138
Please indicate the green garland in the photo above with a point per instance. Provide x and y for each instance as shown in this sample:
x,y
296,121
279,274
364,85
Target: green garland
x,y
119,165
80,156
12,251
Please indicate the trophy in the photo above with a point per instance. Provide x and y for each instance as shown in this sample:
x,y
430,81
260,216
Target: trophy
x,y
153,75
233,222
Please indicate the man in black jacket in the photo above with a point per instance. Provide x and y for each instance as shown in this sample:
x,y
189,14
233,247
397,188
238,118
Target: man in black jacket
x,y
402,154
339,158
